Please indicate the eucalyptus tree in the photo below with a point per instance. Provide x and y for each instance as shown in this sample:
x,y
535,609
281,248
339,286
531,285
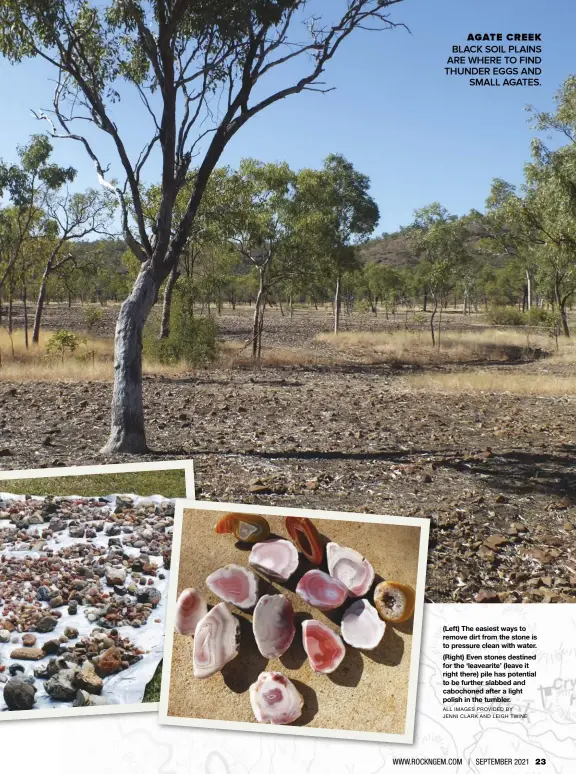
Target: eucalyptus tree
x,y
343,215
440,239
28,186
541,216
69,218
269,231
202,70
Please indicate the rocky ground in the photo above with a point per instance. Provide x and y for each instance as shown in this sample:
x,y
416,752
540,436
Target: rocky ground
x,y
495,473
79,561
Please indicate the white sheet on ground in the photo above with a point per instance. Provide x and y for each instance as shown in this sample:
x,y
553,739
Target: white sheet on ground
x,y
128,686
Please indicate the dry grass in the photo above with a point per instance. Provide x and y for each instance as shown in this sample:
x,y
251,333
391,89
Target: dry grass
x,y
415,347
493,381
235,354
92,362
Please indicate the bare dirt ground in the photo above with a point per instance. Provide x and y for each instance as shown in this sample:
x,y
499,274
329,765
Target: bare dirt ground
x,y
495,472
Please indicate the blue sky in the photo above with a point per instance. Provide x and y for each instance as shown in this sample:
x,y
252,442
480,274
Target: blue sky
x,y
420,135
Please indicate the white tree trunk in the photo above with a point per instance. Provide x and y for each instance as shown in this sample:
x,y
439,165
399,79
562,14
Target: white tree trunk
x,y
127,434
528,289
337,306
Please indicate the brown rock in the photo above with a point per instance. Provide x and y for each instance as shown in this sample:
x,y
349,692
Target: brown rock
x,y
88,680
542,556
485,553
27,654
47,624
109,662
496,541
517,527
28,640
51,646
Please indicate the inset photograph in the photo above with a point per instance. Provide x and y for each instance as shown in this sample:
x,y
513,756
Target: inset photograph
x,y
84,574
294,621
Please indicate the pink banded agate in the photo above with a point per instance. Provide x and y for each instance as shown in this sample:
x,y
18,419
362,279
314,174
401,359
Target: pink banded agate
x,y
234,584
275,700
321,590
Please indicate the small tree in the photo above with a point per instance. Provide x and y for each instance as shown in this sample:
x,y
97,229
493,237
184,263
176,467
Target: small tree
x,y
440,238
342,215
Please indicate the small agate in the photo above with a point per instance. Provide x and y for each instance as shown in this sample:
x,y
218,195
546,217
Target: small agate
x,y
276,558
306,536
216,641
275,700
324,648
394,601
234,584
321,590
350,568
248,528
190,608
361,626
273,625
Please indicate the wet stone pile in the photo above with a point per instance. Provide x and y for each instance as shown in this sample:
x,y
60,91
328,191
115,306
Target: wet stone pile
x,y
81,557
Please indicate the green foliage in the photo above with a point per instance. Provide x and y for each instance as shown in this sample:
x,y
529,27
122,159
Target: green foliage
x,y
192,340
440,239
339,213
511,315
63,342
93,318
538,316
506,315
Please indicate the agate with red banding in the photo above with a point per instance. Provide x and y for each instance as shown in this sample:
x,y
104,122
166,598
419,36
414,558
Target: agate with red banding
x,y
361,625
275,700
324,648
273,625
321,590
306,536
249,528
234,584
350,568
216,641
190,608
276,558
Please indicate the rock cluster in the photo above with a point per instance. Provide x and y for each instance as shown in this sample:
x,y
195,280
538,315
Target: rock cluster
x,y
107,575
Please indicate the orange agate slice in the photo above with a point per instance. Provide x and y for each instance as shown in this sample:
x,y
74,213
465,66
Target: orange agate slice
x,y
306,537
394,601
248,528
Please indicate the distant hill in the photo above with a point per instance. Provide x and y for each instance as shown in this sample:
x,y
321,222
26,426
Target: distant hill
x,y
391,249
396,250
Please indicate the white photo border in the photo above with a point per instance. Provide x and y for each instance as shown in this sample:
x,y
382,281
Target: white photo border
x,y
187,466
408,736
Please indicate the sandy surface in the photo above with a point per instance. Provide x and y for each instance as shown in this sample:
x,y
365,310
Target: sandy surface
x,y
368,691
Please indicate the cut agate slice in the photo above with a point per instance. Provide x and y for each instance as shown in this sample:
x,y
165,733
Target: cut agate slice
x,y
276,558
361,626
234,584
324,648
306,536
249,528
321,590
190,608
275,700
350,568
216,641
394,601
273,625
